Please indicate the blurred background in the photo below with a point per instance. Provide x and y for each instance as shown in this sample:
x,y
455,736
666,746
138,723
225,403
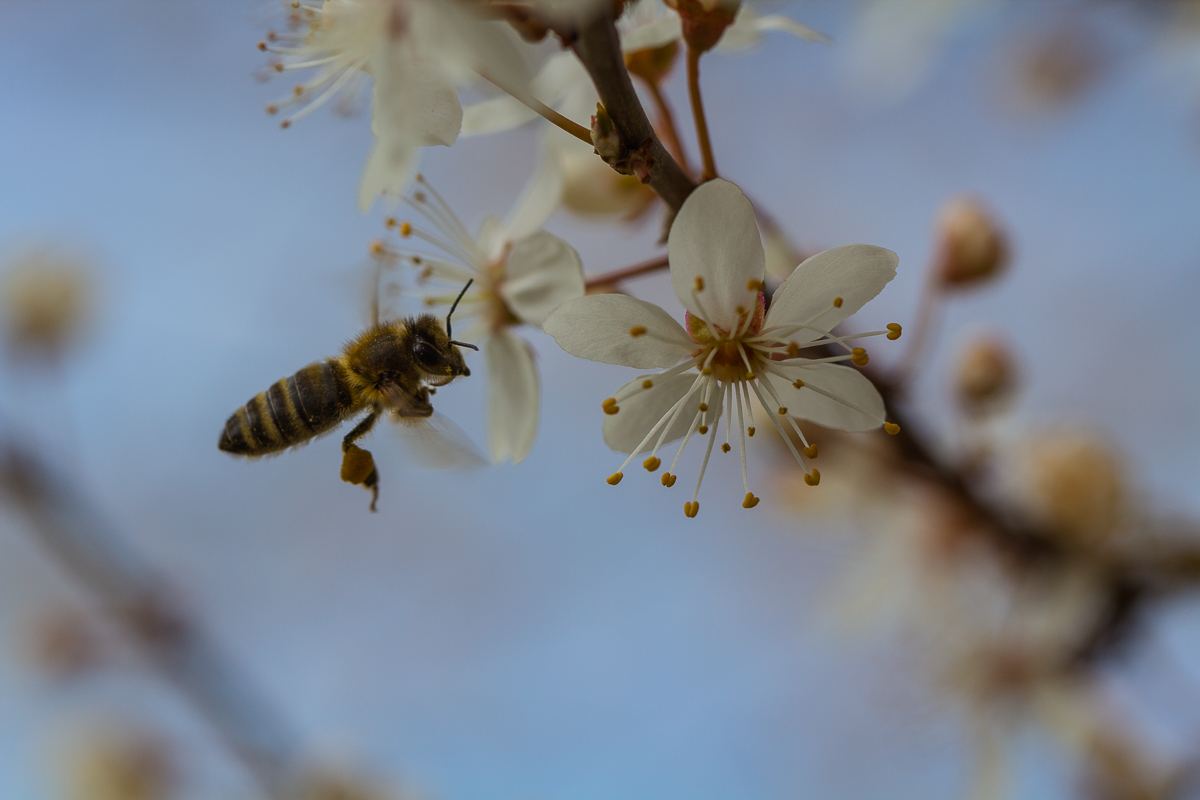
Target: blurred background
x,y
529,631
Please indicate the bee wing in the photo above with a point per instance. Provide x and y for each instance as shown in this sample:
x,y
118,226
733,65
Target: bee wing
x,y
436,442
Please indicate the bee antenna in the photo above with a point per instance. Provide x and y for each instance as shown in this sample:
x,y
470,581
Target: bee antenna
x,y
451,312
464,344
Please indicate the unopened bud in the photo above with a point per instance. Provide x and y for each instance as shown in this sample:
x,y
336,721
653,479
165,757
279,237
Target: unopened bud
x,y
604,135
986,375
1075,484
705,21
592,188
971,246
652,64
46,301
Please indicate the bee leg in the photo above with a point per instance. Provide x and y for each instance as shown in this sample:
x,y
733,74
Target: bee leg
x,y
358,465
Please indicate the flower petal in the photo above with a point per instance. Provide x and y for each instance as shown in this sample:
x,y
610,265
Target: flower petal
x,y
748,27
641,411
513,396
853,272
497,114
715,238
652,34
844,382
389,169
541,194
541,273
601,328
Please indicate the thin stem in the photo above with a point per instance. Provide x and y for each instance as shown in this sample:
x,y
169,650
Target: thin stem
x,y
625,273
666,124
925,321
544,111
693,81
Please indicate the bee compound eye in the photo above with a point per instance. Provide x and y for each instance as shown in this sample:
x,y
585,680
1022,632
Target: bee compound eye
x,y
425,353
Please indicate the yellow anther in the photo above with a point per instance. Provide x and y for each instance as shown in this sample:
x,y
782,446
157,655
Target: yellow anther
x,y
799,384
297,90
749,376
703,406
699,286
279,67
837,302
739,310
691,509
668,479
376,247
725,447
703,429
262,46
610,406
811,451
751,501
419,197
285,124
754,285
615,478
406,229
652,463
272,109
859,357
750,432
706,371
782,410
894,331
813,478
891,427
793,350
637,330
646,384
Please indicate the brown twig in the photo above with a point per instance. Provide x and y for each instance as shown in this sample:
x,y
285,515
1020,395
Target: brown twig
x,y
693,82
599,49
625,273
139,602
666,124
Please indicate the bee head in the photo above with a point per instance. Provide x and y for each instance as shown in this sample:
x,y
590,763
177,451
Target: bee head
x,y
436,355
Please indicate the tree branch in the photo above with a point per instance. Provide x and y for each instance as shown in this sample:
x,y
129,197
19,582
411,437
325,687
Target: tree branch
x,y
599,49
138,600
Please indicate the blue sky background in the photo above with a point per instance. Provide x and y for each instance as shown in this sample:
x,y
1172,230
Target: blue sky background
x,y
531,632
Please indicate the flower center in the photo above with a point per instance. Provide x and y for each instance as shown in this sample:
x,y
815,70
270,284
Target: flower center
x,y
728,363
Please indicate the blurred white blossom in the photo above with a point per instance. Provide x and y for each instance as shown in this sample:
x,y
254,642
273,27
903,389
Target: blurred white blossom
x,y
416,51
521,273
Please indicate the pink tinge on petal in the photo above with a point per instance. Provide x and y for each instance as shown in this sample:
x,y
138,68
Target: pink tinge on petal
x,y
702,332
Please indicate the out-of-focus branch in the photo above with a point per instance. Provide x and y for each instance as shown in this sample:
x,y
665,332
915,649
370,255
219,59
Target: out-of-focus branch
x,y
74,534
599,49
611,279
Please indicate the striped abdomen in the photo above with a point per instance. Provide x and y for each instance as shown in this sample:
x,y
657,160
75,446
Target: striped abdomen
x,y
291,412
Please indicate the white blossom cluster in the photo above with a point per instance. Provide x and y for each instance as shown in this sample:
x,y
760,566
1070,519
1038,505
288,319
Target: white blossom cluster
x,y
739,346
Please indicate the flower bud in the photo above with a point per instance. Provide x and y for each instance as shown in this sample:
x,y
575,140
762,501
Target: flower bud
x,y
986,374
705,21
122,766
971,246
1075,485
45,298
652,64
592,188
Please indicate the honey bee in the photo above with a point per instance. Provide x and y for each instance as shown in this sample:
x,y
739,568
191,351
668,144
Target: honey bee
x,y
392,367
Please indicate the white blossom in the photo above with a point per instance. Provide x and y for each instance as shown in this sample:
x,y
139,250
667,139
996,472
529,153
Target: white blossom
x,y
520,274
416,51
731,346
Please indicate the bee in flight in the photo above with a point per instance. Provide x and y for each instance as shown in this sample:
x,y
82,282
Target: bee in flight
x,y
391,367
